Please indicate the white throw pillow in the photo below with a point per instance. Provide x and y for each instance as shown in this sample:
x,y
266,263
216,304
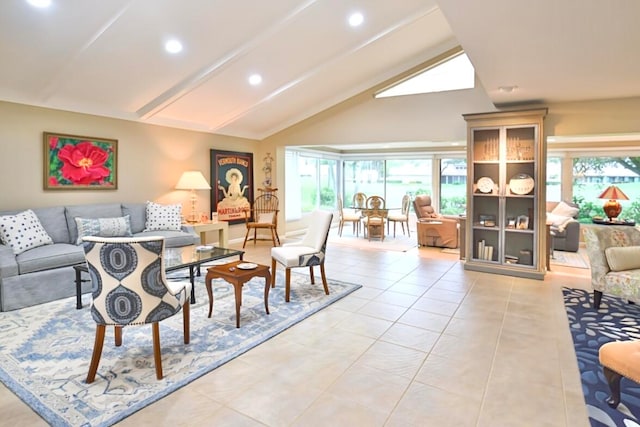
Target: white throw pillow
x,y
564,209
23,231
558,220
103,227
163,217
265,218
623,257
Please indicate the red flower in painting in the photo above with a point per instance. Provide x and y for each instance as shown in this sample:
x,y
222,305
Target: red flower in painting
x,y
84,163
53,142
53,181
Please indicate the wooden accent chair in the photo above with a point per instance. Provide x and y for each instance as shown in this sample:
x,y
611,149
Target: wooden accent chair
x,y
374,217
263,216
307,253
348,215
130,288
402,217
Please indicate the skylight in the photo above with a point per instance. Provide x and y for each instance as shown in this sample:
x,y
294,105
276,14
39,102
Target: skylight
x,y
453,74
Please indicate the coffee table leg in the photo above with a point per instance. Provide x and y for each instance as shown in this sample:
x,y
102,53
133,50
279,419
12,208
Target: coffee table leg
x,y
238,291
78,290
207,284
193,286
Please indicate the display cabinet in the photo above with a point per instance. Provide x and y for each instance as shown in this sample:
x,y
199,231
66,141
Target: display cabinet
x,y
506,163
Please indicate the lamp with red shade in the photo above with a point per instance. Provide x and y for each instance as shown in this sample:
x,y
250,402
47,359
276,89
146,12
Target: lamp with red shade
x,y
612,207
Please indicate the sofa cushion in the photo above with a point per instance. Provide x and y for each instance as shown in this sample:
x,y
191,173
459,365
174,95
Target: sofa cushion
x,y
105,210
23,231
564,209
163,217
54,222
103,227
50,256
623,257
138,215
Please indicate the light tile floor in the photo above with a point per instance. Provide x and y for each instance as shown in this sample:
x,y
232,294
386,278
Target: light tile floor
x,y
423,343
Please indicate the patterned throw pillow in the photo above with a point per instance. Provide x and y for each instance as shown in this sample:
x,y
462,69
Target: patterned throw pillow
x,y
103,227
163,217
23,231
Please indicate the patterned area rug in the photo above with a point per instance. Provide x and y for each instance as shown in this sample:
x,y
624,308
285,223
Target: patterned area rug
x,y
45,350
570,259
615,321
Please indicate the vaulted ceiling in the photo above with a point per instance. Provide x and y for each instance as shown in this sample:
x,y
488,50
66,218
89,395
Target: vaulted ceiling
x,y
107,57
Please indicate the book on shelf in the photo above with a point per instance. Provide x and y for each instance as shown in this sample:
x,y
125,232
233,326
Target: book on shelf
x,y
485,251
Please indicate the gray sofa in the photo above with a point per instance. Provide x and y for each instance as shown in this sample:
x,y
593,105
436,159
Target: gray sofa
x,y
566,235
45,273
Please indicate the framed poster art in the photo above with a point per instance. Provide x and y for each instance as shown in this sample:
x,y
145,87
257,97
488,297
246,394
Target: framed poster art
x,y
231,184
74,162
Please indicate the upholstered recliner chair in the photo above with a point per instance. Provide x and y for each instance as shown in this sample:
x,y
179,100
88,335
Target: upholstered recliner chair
x,y
307,253
434,229
614,257
129,287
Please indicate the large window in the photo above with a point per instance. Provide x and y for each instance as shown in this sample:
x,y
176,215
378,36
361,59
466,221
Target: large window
x,y
453,186
311,183
554,179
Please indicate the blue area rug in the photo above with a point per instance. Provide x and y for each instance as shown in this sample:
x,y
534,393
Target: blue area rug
x,y
615,321
45,350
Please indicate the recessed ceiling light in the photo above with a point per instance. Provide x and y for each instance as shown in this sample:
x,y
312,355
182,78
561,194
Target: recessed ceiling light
x,y
173,46
507,89
255,79
39,3
356,19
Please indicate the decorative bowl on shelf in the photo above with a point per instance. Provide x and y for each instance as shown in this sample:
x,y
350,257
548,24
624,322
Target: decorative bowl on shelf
x,y
521,184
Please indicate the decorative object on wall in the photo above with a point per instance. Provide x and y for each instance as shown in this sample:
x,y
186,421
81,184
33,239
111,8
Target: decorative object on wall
x,y
232,184
79,162
267,169
612,207
192,181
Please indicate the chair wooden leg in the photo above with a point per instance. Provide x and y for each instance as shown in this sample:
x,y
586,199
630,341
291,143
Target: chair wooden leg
x,y
273,236
597,298
275,230
246,237
117,335
97,352
340,228
255,236
313,279
186,321
155,329
408,232
273,272
287,284
613,379
324,279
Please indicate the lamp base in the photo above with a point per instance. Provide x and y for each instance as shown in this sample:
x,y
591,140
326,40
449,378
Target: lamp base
x,y
612,209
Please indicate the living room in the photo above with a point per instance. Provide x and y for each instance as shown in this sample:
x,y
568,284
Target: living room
x,y
152,156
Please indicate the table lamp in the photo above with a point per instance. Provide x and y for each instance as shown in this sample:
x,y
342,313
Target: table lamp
x,y
612,207
192,181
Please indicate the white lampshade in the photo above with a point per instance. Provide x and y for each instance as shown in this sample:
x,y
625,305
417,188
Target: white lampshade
x,y
192,180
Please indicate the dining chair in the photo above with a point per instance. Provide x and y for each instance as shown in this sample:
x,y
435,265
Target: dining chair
x,y
402,217
263,216
307,253
348,215
374,216
359,200
129,287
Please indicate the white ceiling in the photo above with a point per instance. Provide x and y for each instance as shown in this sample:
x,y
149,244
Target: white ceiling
x,y
106,57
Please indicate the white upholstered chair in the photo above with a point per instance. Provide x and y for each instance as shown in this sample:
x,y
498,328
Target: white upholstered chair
x,y
307,253
402,217
130,288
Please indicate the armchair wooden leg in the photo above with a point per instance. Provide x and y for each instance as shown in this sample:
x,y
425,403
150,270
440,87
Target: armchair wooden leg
x,y
186,321
117,332
313,279
597,298
287,284
155,329
97,352
324,279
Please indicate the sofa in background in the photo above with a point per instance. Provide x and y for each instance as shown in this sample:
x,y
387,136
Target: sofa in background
x,y
564,225
44,273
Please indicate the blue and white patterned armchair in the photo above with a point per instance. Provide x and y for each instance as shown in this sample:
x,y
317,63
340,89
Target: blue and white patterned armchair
x,y
307,253
129,287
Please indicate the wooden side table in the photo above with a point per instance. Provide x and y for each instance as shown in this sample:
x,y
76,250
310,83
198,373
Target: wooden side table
x,y
237,277
222,227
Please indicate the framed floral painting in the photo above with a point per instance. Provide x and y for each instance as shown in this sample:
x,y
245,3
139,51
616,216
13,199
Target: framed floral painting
x,y
80,162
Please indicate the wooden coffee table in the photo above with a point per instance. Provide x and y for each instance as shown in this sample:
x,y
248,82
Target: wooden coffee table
x,y
237,277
